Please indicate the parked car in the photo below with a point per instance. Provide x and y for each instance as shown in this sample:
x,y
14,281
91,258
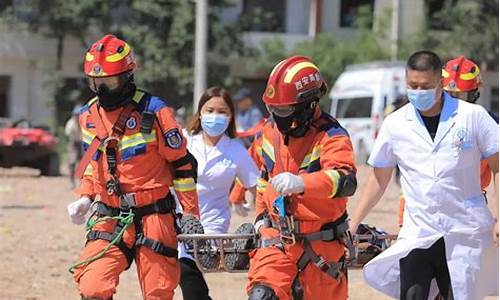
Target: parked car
x,y
22,144
359,97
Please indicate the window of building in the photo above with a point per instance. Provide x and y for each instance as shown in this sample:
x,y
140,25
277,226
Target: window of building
x,y
349,10
4,96
494,99
264,15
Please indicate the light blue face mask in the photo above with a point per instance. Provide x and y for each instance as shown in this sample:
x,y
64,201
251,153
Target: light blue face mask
x,y
214,124
422,100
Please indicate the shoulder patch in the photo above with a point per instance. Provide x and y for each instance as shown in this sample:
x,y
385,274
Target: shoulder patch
x,y
173,138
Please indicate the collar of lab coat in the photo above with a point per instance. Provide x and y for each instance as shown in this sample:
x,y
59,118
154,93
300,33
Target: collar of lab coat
x,y
446,120
219,149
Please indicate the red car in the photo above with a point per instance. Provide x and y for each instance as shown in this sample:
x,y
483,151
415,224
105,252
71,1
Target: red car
x,y
24,145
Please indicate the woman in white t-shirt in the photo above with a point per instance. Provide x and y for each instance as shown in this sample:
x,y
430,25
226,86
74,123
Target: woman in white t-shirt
x,y
221,159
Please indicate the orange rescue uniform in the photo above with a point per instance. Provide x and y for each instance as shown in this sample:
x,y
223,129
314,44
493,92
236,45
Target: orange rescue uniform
x,y
329,156
147,165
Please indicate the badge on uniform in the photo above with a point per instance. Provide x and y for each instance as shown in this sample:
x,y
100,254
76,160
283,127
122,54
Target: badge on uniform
x,y
173,138
131,123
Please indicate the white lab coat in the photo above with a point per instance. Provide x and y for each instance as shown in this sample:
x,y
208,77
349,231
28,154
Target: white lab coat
x,y
441,183
218,167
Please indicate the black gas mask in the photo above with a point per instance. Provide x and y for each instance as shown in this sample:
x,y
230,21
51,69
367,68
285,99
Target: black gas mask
x,y
113,91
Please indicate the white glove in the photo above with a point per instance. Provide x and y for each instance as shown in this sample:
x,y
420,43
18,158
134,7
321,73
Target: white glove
x,y
78,209
287,183
241,209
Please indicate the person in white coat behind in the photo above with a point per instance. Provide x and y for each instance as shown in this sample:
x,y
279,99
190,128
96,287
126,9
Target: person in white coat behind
x,y
448,232
221,159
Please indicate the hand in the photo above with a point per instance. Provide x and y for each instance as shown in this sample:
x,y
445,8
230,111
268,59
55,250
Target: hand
x,y
495,234
353,227
241,209
287,183
78,209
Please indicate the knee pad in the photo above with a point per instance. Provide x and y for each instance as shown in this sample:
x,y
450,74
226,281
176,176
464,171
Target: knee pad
x,y
262,292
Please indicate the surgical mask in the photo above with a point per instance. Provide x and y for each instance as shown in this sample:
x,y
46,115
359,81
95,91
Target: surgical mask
x,y
422,100
214,124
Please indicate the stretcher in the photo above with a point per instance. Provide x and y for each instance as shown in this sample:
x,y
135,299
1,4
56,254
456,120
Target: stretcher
x,y
228,252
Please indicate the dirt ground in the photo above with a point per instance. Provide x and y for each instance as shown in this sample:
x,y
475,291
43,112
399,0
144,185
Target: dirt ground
x,y
38,242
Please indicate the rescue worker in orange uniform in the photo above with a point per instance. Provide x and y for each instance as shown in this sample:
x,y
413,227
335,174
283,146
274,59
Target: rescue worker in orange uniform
x,y
136,152
461,79
305,156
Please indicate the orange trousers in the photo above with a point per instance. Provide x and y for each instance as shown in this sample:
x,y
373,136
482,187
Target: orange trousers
x,y
277,269
158,275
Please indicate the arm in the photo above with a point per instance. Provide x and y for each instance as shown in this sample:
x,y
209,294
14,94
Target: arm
x,y
337,177
86,187
238,192
373,190
493,164
173,147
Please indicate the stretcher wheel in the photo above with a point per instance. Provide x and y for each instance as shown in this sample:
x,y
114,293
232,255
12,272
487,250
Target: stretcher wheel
x,y
240,261
210,257
191,225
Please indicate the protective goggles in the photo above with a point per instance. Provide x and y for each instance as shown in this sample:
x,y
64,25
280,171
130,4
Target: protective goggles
x,y
282,110
111,82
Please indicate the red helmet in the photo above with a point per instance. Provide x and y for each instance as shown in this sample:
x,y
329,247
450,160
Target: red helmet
x,y
461,75
109,56
293,81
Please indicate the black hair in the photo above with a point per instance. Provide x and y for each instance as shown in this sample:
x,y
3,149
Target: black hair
x,y
424,60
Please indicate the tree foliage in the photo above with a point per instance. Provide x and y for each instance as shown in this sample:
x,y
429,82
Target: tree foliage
x,y
469,28
160,31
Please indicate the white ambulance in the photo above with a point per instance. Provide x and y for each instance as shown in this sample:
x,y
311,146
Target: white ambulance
x,y
359,97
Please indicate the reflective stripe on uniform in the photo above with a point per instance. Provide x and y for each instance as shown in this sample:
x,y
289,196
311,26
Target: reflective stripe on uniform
x,y
136,139
184,185
88,170
311,156
261,185
334,177
268,153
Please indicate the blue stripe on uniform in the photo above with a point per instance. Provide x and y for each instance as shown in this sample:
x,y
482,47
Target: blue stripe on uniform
x,y
130,152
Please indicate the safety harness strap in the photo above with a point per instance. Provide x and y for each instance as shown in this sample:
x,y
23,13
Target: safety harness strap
x,y
331,268
156,246
102,235
329,232
162,206
117,131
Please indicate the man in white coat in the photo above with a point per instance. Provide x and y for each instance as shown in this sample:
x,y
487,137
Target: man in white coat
x,y
448,232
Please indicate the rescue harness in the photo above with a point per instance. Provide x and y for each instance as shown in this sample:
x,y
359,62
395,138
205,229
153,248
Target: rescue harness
x,y
330,232
289,228
128,213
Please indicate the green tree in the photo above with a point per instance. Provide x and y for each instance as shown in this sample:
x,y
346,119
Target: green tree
x,y
160,31
469,28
